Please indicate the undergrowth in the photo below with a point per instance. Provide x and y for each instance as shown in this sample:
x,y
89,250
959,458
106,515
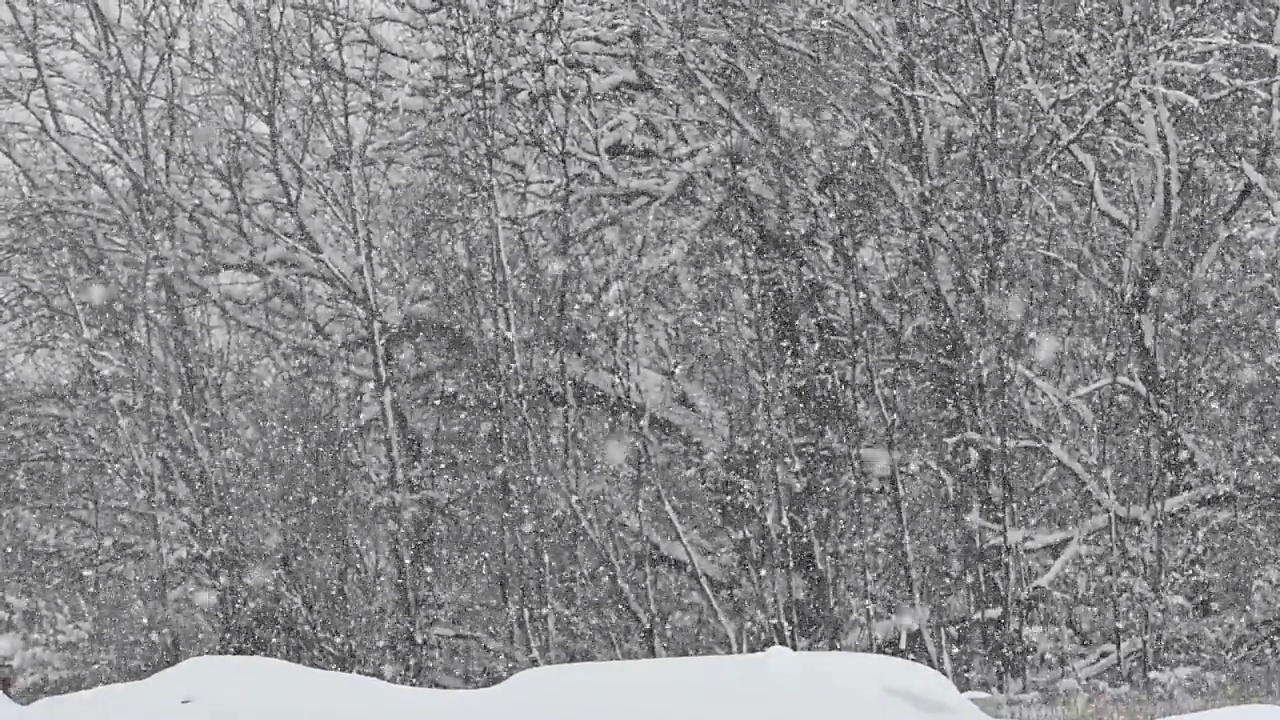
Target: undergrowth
x,y
1161,700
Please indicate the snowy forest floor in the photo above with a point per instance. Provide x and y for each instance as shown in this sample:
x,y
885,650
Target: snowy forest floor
x,y
1251,685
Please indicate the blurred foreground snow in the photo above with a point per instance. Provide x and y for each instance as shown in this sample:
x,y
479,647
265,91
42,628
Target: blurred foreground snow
x,y
774,684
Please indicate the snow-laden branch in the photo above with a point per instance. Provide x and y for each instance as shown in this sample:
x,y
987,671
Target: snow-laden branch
x,y
1064,559
1032,540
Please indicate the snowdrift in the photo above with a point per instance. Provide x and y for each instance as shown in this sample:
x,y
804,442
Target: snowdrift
x,y
774,684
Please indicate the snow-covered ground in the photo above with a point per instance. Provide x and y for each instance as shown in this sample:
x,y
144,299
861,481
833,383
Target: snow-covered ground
x,y
774,684
770,685
1236,712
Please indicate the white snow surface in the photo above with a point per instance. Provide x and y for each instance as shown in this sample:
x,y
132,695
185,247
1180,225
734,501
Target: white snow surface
x,y
1235,712
774,684
770,685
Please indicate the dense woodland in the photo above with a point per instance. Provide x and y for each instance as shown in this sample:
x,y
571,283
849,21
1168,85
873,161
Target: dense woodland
x,y
434,340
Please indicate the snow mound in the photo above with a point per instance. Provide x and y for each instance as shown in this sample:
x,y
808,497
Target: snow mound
x,y
776,683
761,686
1235,712
248,688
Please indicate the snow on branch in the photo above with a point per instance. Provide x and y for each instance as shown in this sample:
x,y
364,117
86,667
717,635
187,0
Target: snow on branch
x,y
1100,660
1202,458
1070,553
1033,540
683,554
1086,478
992,442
